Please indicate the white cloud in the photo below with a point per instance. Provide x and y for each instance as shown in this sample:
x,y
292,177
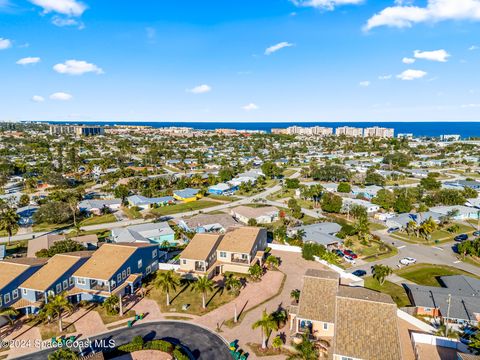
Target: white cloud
x,y
61,22
274,48
473,47
5,43
200,89
470,106
64,7
28,60
411,74
38,98
325,4
250,107
436,55
407,60
385,77
365,83
77,67
407,15
61,96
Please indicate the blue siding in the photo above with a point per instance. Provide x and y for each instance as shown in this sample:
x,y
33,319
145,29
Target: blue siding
x,y
14,284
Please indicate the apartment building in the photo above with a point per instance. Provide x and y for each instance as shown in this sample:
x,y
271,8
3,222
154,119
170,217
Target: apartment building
x,y
379,132
349,131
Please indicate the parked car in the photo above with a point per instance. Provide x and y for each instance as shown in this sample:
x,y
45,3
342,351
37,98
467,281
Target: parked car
x,y
461,237
350,253
476,233
391,230
359,273
349,259
408,261
338,252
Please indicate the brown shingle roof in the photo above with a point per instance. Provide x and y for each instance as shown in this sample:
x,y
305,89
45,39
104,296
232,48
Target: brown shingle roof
x,y
241,240
107,260
201,246
361,293
9,271
366,329
52,271
90,239
42,242
317,299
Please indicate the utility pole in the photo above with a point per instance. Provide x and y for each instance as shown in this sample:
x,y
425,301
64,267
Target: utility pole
x,y
449,301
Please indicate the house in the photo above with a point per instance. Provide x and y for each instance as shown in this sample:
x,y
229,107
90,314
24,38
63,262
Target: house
x,y
155,233
368,192
320,233
127,265
462,184
262,215
53,278
207,223
26,214
475,203
46,241
235,251
330,311
402,220
222,189
14,272
96,206
145,203
462,212
187,195
457,301
348,203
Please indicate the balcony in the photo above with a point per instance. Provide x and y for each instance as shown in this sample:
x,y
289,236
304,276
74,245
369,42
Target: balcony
x,y
239,260
200,266
95,285
40,296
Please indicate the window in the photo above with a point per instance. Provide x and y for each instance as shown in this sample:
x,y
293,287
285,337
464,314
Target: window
x,y
223,254
71,281
154,253
148,270
0,301
244,257
128,271
50,293
427,309
7,298
124,274
140,264
24,291
65,284
113,284
184,262
155,265
15,294
81,281
119,278
325,326
346,358
59,288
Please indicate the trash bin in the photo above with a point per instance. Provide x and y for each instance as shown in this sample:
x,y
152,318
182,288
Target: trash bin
x,y
130,323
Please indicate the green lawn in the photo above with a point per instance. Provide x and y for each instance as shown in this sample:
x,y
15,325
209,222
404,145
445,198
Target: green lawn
x,y
288,172
48,227
438,236
222,197
107,319
397,292
375,250
282,194
102,219
427,274
132,213
178,208
376,227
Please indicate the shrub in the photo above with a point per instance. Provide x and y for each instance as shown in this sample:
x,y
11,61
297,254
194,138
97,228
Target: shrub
x,y
160,345
179,355
309,250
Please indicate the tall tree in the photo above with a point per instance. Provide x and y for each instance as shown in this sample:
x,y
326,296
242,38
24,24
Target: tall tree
x,y
166,281
268,324
203,285
380,272
56,307
9,221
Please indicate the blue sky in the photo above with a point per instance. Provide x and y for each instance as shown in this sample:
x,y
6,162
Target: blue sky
x,y
240,60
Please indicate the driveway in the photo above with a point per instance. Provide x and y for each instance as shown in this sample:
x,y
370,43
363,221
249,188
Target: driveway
x,y
203,344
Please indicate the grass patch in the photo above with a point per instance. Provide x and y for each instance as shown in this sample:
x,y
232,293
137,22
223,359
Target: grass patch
x,y
49,330
270,351
131,213
222,197
407,181
289,172
472,261
102,219
282,194
376,227
45,227
178,208
101,234
439,236
107,318
427,274
397,292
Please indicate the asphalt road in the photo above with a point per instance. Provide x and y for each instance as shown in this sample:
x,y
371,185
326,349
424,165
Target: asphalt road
x,y
202,344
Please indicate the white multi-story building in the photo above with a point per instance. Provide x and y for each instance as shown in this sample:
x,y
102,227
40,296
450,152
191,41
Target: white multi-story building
x,y
377,131
349,131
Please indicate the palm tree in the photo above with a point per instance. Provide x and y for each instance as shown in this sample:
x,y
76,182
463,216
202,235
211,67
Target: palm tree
x,y
56,306
268,324
272,262
380,272
233,284
299,235
111,304
203,285
167,281
277,342
306,350
255,272
9,221
295,295
8,313
63,354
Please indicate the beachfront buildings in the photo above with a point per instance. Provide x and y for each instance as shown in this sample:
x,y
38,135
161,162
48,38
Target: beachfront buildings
x,y
379,132
349,131
234,251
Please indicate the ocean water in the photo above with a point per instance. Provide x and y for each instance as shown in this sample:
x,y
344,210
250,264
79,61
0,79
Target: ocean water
x,y
464,129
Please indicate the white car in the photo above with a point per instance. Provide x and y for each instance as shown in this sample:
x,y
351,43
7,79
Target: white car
x,y
408,261
349,259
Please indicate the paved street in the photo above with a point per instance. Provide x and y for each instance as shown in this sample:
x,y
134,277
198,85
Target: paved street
x,y
202,344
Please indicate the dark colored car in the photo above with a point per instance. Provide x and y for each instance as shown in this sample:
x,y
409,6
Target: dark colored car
x,y
350,253
359,273
461,237
391,230
476,233
338,252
